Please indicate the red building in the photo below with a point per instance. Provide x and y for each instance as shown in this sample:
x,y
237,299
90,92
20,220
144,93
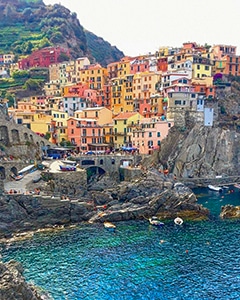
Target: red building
x,y
43,57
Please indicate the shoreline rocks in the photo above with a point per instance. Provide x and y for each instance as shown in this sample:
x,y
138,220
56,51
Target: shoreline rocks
x,y
151,194
14,286
230,212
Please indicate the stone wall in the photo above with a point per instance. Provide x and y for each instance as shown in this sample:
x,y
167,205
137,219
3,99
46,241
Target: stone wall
x,y
19,141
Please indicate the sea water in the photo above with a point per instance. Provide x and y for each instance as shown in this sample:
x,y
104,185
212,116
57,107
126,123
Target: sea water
x,y
197,260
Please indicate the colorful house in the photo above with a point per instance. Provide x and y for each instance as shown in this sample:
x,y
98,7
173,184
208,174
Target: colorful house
x,y
101,114
148,134
85,134
43,57
122,127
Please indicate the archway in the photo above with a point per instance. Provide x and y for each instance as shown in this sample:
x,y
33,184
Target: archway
x,y
93,173
15,136
2,173
4,138
14,171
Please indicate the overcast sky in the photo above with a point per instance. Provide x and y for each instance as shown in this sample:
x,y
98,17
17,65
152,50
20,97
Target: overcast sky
x,y
140,26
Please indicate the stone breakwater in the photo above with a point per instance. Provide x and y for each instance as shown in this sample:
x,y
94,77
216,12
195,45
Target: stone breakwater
x,y
152,194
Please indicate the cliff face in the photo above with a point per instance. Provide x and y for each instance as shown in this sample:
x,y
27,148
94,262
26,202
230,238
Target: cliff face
x,y
28,25
203,152
200,151
13,284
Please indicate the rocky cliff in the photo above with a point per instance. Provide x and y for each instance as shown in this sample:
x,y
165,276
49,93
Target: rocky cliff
x,y
13,285
201,151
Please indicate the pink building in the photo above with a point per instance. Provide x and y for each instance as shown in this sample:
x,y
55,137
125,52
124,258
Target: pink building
x,y
85,134
147,136
139,65
43,57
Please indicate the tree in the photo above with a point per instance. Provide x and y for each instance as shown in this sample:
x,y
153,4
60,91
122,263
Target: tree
x,y
63,57
32,84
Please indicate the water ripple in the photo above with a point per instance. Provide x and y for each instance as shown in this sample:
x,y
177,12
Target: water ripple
x,y
195,261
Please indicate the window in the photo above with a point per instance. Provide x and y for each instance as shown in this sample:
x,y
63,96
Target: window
x,y
206,67
177,102
198,67
150,134
158,134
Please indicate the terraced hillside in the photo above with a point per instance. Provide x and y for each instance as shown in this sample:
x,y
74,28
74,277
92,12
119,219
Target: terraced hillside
x,y
28,25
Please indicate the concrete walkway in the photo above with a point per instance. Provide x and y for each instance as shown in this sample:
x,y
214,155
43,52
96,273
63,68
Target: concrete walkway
x,y
20,186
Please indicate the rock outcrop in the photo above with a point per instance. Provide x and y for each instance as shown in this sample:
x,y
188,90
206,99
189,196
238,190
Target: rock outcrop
x,y
13,285
230,212
152,194
202,152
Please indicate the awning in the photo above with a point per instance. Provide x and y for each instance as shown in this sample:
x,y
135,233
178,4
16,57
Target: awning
x,y
129,148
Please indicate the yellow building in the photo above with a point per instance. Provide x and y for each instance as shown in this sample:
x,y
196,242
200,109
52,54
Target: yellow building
x,y
201,67
117,102
41,123
61,124
93,75
122,126
101,114
119,68
24,113
128,93
108,134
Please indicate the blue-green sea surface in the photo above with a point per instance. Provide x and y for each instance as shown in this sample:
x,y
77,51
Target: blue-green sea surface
x,y
198,260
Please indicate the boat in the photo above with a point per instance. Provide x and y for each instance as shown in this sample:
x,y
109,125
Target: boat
x,y
237,185
178,221
155,221
109,225
27,169
37,179
215,188
225,187
17,177
68,168
69,162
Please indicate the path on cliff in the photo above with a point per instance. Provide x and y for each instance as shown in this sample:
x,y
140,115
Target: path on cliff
x,y
20,186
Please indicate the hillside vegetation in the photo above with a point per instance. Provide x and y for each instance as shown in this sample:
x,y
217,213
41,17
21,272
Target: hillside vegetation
x,y
28,25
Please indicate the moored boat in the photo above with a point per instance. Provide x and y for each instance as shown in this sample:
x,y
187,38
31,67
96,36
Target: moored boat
x,y
178,221
68,168
237,185
155,221
109,225
215,188
17,177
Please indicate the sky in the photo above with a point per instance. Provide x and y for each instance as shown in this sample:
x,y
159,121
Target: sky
x,y
138,26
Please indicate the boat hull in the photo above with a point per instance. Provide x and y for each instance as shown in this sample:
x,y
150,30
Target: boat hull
x,y
215,188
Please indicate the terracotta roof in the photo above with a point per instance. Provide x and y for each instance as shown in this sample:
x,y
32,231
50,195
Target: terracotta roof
x,y
125,115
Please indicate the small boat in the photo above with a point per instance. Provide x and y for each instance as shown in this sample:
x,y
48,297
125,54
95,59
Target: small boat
x,y
69,162
37,179
215,188
178,221
27,169
155,221
68,168
17,177
109,225
225,187
237,185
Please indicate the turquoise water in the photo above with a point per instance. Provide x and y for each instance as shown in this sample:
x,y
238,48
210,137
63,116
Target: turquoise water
x,y
193,261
